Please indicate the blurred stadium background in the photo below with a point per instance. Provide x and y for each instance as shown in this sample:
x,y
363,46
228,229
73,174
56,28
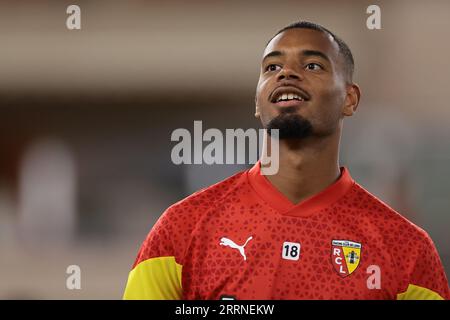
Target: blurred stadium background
x,y
86,118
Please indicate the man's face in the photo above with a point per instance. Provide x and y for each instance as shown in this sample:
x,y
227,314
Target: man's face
x,y
302,85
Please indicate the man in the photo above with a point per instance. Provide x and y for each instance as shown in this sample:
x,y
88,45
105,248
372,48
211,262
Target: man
x,y
307,232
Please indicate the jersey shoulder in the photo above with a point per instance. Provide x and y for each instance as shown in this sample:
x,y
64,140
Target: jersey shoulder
x,y
389,221
406,242
180,220
207,198
413,252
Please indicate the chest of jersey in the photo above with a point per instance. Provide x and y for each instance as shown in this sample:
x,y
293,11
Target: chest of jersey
x,y
262,255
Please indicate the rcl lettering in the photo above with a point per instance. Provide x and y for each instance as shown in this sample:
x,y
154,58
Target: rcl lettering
x,y
338,259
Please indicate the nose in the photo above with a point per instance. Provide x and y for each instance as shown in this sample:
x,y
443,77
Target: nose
x,y
288,74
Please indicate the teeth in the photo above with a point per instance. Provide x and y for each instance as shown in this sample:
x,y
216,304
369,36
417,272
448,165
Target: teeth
x,y
289,96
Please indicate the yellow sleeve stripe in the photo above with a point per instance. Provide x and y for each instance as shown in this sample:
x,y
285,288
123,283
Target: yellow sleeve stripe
x,y
414,292
155,279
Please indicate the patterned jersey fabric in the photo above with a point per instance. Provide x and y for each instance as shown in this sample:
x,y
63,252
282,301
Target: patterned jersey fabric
x,y
242,239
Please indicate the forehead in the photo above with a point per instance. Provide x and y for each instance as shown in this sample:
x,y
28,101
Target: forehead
x,y
296,40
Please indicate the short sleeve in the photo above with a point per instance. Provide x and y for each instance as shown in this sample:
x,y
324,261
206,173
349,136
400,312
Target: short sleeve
x,y
427,280
156,275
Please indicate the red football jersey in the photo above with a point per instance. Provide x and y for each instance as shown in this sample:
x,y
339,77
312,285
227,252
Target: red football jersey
x,y
241,238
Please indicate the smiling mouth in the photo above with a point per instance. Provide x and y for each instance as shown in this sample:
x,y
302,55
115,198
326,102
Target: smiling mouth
x,y
290,94
288,97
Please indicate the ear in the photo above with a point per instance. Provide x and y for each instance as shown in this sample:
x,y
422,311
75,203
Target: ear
x,y
351,100
257,113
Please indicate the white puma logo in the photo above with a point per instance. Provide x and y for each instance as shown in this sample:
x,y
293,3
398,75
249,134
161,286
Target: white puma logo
x,y
230,243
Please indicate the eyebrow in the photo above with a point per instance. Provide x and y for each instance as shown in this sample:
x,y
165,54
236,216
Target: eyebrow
x,y
308,53
316,53
272,54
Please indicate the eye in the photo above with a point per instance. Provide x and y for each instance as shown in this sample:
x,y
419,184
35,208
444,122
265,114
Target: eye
x,y
272,67
313,66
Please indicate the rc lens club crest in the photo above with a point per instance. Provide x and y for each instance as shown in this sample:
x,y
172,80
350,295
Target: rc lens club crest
x,y
345,256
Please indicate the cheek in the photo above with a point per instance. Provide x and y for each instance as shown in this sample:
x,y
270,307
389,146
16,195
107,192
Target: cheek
x,y
334,97
261,90
329,106
262,98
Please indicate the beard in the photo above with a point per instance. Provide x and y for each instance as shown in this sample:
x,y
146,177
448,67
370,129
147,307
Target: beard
x,y
290,125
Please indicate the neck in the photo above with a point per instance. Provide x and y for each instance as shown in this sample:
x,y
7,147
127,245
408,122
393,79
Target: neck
x,y
306,167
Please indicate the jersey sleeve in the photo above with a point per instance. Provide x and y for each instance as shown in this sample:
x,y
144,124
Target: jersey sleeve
x,y
156,274
427,280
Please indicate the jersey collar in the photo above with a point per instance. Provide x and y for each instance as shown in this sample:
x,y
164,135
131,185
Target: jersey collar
x,y
307,207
